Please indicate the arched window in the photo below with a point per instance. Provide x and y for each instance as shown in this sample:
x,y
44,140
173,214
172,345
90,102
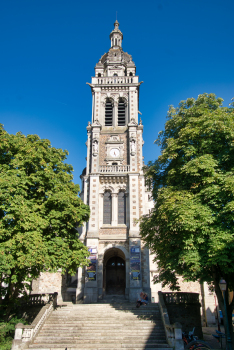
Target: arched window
x,y
121,113
107,208
99,75
115,75
130,74
121,208
108,113
115,42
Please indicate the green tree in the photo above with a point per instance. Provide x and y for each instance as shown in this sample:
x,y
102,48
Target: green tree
x,y
39,213
191,228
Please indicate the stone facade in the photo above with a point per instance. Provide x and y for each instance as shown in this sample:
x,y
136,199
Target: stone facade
x,y
114,165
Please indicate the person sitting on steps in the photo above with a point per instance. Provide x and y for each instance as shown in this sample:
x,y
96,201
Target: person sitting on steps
x,y
143,299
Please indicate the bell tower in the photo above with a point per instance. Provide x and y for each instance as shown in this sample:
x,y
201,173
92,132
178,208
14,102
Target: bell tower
x,y
113,181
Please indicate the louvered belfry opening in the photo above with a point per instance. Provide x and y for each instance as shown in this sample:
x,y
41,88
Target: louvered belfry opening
x,y
108,113
107,208
121,208
121,113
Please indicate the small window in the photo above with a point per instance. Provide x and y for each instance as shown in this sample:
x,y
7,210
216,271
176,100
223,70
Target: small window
x,y
121,113
108,113
121,208
115,42
107,208
115,261
99,75
130,74
115,75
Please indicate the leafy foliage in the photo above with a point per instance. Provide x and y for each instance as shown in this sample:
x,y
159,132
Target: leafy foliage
x,y
39,212
7,331
191,229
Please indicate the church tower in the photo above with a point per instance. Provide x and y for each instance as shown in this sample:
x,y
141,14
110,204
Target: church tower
x,y
113,182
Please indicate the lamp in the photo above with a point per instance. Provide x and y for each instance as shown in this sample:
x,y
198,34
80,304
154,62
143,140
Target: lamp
x,y
223,288
223,285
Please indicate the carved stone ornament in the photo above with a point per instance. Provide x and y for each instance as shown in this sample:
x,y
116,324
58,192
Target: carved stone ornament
x,y
96,122
114,180
133,122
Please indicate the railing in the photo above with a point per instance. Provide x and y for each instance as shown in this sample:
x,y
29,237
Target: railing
x,y
37,299
114,168
24,334
115,80
181,298
173,331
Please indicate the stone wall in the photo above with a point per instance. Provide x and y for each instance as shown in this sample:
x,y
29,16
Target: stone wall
x,y
48,282
186,287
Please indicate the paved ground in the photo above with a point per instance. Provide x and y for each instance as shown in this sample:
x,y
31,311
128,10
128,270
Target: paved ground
x,y
207,336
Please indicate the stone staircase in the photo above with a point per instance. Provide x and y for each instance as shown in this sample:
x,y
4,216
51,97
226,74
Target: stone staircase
x,y
115,325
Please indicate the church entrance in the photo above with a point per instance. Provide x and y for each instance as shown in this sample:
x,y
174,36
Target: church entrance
x,y
114,272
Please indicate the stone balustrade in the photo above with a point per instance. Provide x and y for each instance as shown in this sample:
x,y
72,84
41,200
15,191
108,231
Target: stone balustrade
x,y
37,299
24,334
173,331
115,80
181,298
114,168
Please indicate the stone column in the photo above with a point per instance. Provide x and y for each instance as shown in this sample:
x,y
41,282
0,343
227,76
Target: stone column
x,y
101,195
79,289
135,285
115,114
91,287
114,219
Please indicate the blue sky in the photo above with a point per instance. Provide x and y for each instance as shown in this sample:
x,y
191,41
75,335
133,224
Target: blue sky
x,y
49,48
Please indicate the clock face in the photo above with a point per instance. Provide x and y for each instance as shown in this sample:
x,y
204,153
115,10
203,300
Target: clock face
x,y
114,152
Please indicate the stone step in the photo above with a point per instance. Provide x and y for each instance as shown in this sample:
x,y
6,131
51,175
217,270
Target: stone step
x,y
134,310
118,347
105,315
99,341
98,330
106,326
102,327
92,346
107,306
103,322
85,337
103,306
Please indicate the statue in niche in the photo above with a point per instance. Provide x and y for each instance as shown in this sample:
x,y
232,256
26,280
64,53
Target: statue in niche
x,y
133,147
95,147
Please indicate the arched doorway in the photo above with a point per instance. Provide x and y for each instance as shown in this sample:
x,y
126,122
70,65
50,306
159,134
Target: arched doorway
x,y
114,281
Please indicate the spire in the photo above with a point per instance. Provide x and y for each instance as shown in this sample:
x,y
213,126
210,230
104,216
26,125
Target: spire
x,y
116,24
116,36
